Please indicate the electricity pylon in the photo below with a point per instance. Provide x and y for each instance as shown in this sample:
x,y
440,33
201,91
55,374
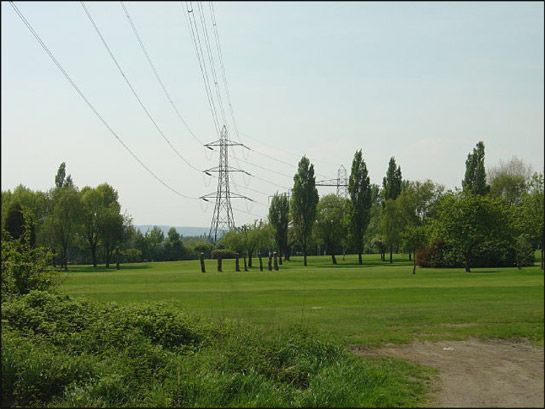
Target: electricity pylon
x,y
341,182
222,219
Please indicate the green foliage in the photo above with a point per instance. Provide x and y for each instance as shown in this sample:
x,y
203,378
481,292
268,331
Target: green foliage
x,y
510,180
24,268
279,218
471,230
392,182
475,175
61,352
303,202
359,188
330,222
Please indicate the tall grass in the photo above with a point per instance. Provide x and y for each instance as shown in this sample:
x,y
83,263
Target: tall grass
x,y
61,352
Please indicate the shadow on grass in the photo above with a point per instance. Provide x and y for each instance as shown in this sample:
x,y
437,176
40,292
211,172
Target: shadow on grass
x,y
484,271
102,269
366,263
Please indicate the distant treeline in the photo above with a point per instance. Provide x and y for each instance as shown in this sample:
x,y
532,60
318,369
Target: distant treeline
x,y
494,219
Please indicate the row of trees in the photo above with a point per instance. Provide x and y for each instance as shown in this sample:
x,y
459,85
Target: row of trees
x,y
86,226
493,220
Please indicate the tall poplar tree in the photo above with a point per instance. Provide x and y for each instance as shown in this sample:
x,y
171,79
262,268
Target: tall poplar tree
x,y
279,217
359,189
475,176
392,182
303,203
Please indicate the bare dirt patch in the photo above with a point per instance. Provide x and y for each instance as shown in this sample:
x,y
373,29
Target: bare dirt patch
x,y
476,373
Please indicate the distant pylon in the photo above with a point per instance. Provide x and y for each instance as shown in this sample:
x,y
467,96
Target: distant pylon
x,y
222,219
342,182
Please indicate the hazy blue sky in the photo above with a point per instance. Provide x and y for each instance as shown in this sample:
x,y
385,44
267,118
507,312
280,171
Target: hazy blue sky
x,y
423,82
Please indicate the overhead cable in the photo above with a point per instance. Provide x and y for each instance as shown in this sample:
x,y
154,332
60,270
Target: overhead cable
x,y
135,31
132,88
80,93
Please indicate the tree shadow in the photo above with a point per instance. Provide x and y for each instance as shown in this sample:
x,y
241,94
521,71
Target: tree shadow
x,y
102,269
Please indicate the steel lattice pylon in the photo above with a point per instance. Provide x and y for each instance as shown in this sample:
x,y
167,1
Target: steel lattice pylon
x,y
222,219
342,182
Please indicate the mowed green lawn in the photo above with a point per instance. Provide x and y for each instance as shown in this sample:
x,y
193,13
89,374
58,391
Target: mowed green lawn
x,y
370,304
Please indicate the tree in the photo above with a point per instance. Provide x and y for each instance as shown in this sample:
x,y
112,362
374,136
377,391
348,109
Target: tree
x,y
60,178
530,214
303,203
469,222
63,222
330,223
110,221
413,238
415,203
392,182
279,218
359,189
91,210
391,224
475,176
24,268
510,180
154,240
174,247
15,222
35,202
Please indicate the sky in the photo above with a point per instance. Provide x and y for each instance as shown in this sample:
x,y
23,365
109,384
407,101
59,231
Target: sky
x,y
422,82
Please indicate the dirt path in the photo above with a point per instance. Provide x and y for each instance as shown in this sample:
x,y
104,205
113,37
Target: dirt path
x,y
474,373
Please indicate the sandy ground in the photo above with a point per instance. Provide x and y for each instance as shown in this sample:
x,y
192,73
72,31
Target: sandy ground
x,y
478,374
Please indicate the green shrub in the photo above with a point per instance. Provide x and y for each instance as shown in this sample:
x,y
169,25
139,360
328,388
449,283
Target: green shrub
x,y
61,352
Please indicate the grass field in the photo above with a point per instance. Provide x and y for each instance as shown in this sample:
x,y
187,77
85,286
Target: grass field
x,y
370,304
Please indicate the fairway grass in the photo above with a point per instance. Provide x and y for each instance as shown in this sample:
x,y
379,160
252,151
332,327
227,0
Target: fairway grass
x,y
371,304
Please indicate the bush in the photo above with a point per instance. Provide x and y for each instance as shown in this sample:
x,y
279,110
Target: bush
x,y
63,352
24,268
225,253
488,254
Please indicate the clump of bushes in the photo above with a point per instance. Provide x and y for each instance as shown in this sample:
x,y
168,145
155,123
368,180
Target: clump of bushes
x,y
223,253
64,352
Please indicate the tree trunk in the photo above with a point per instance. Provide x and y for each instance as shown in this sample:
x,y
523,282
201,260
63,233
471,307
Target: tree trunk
x,y
107,255
333,259
250,253
410,255
94,254
414,262
64,261
260,263
391,251
542,255
237,265
468,262
280,258
245,265
360,260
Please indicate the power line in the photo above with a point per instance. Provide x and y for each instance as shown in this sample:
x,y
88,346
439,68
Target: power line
x,y
194,32
135,31
132,88
214,24
80,93
211,59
